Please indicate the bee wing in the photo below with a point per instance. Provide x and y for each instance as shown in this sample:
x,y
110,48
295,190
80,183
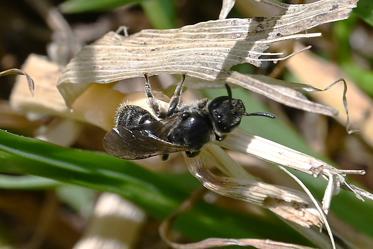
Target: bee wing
x,y
137,144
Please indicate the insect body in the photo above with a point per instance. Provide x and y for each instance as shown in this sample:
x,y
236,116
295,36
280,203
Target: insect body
x,y
138,134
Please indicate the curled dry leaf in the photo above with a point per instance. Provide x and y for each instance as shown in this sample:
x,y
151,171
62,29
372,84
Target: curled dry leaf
x,y
289,204
319,73
205,50
166,227
279,154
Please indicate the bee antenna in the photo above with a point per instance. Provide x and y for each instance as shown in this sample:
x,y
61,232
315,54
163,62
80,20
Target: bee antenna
x,y
262,114
229,91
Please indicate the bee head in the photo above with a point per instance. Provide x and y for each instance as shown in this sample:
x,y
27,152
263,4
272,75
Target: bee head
x,y
226,112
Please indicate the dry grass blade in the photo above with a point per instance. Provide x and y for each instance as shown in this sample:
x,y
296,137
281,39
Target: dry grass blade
x,y
15,71
317,205
288,93
279,154
319,72
205,50
165,229
280,91
289,204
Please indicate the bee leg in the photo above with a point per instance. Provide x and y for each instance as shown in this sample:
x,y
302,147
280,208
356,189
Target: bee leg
x,y
175,99
165,157
219,137
192,153
152,100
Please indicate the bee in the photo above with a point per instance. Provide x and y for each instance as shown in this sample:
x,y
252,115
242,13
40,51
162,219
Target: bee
x,y
138,134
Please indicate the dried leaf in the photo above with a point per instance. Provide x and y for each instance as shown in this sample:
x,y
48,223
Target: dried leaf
x,y
280,91
96,106
315,202
289,204
279,154
165,229
319,73
205,50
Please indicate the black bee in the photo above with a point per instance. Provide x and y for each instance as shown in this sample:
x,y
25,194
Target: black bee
x,y
138,134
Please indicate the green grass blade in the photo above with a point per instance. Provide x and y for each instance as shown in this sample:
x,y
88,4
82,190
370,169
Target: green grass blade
x,y
157,194
80,6
161,13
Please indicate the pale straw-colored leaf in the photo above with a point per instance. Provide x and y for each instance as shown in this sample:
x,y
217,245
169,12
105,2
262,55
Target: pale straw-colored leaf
x,y
280,91
289,204
205,50
221,242
96,106
299,213
282,155
165,230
